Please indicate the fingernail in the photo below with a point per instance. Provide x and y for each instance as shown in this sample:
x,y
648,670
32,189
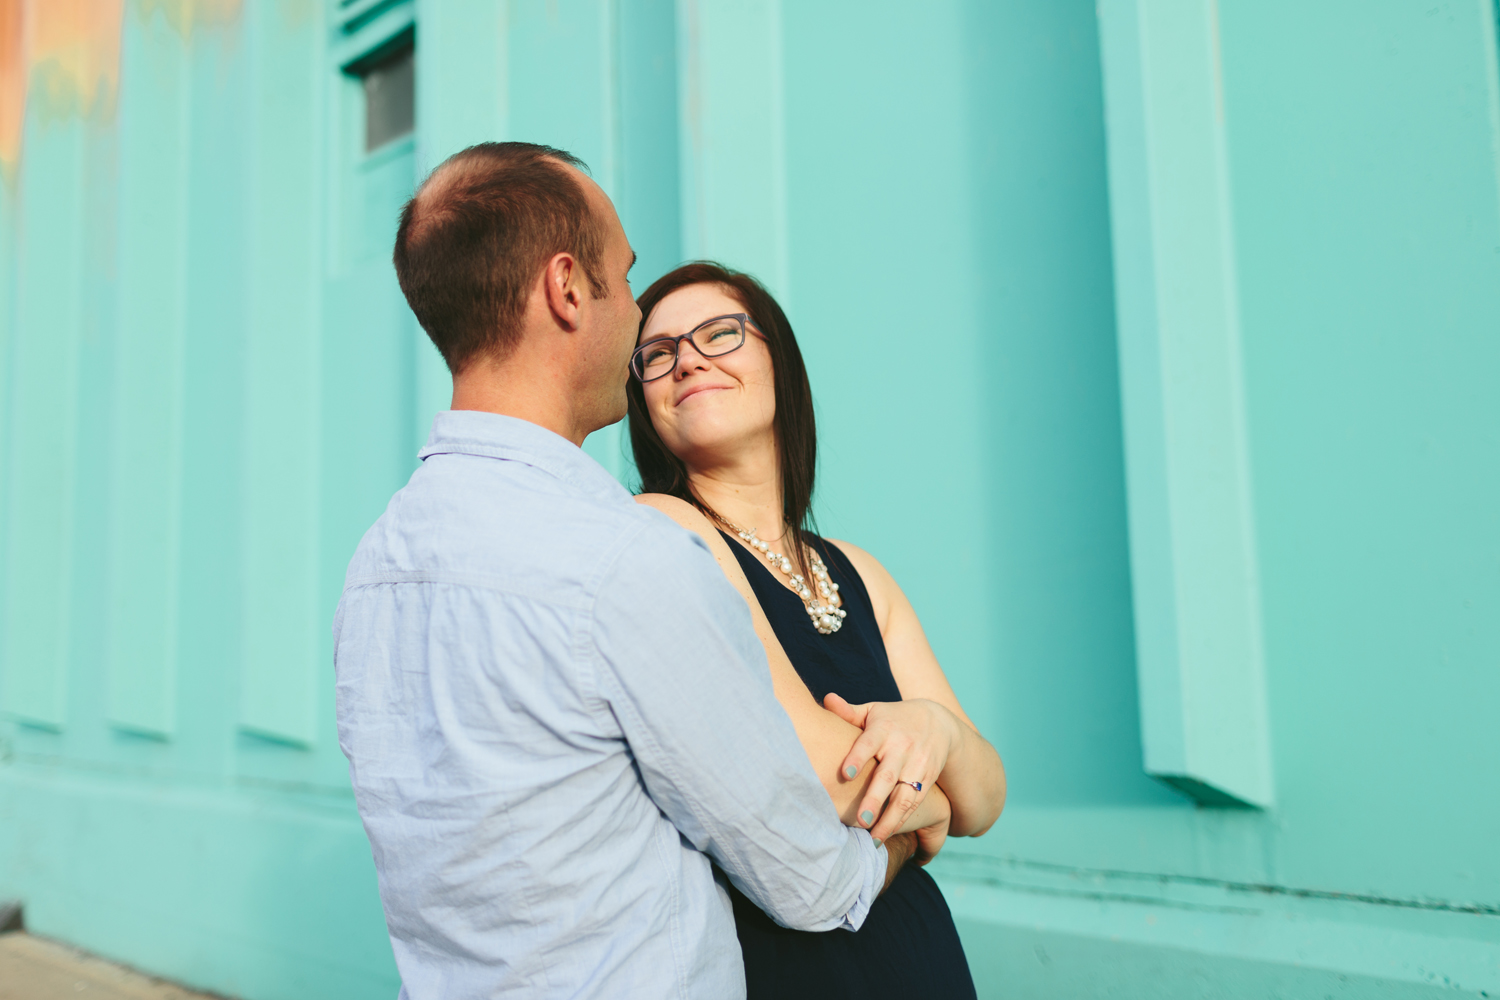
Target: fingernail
x,y
851,771
877,840
867,817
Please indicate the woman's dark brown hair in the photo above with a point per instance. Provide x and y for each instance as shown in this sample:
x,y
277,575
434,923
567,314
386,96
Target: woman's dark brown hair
x,y
796,431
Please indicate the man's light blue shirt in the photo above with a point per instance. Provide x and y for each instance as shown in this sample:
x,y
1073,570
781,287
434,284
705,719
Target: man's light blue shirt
x,y
556,712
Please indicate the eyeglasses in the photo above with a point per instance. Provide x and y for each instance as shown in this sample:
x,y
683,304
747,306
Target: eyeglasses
x,y
712,338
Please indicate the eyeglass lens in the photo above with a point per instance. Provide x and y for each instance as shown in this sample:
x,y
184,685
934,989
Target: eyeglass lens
x,y
714,338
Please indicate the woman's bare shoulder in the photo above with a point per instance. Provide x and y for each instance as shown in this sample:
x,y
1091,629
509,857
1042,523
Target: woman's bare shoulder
x,y
677,509
879,583
867,564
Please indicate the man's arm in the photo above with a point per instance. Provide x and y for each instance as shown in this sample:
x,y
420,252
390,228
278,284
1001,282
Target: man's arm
x,y
825,736
678,662
898,849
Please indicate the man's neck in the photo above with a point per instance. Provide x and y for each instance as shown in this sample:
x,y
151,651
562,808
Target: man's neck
x,y
537,396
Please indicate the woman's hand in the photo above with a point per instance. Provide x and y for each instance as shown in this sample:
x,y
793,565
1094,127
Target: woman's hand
x,y
912,741
973,776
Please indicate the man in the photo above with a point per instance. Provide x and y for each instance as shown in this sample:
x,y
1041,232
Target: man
x,y
554,705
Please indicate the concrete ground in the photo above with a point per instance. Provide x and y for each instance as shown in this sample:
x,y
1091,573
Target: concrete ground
x,y
33,968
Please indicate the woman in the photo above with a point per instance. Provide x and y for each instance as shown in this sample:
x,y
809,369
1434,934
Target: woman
x,y
721,422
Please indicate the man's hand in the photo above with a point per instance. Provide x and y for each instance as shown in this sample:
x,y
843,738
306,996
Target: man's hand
x,y
911,740
930,839
898,849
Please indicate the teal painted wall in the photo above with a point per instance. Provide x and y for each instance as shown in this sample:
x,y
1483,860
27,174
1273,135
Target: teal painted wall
x,y
1154,350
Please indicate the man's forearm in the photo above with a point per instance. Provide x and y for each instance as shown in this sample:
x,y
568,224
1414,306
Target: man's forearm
x,y
898,849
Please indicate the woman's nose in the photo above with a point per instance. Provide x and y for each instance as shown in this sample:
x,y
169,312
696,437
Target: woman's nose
x,y
687,361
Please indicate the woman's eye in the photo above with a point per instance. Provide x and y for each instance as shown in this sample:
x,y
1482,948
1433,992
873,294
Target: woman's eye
x,y
657,354
717,335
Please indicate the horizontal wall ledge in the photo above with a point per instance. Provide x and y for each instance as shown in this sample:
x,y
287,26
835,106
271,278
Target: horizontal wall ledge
x,y
1045,931
120,867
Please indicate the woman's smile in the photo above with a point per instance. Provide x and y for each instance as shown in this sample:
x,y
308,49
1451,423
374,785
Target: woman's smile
x,y
699,390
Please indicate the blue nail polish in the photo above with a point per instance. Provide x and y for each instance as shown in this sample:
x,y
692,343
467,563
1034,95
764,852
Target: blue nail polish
x,y
878,841
867,817
850,771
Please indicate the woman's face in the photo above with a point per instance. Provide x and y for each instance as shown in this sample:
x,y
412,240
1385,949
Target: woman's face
x,y
709,410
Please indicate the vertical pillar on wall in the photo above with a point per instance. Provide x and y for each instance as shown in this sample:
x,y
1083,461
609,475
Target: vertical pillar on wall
x,y
732,137
146,471
646,173
563,60
8,214
463,73
42,413
13,55
462,76
647,192
282,630
562,64
595,77
1202,696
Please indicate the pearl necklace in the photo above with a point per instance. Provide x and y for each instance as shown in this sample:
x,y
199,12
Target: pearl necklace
x,y
827,617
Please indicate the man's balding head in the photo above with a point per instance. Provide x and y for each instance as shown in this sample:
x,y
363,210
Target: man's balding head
x,y
479,232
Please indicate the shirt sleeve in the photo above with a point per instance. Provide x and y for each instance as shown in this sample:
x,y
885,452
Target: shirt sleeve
x,y
679,663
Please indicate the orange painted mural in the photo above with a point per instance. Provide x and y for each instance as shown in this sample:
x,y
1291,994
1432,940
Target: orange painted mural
x,y
61,58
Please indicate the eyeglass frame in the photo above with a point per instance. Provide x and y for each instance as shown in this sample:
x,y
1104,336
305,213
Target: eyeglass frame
x,y
746,326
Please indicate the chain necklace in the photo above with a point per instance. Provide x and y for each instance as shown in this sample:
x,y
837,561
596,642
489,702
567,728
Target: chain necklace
x,y
827,617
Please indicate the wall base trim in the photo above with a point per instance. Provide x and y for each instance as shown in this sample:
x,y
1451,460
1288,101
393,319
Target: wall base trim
x,y
1167,937
254,894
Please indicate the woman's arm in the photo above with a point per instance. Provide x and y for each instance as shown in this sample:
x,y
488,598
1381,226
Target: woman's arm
x,y
824,736
972,774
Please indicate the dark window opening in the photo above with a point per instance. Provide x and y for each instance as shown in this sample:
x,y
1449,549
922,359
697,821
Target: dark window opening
x,y
390,97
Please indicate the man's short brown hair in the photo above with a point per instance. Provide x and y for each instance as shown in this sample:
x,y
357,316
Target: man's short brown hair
x,y
476,235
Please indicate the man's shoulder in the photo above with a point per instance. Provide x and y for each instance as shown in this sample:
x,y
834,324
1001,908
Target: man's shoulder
x,y
504,525
661,564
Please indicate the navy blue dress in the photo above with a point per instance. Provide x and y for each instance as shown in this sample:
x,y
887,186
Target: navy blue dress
x,y
908,946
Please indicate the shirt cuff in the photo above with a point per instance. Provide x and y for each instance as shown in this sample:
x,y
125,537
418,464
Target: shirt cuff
x,y
873,863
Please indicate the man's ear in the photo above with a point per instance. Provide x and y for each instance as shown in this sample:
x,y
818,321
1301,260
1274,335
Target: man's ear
x,y
563,283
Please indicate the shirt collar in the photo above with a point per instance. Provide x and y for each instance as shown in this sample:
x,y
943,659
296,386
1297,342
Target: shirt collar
x,y
491,435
